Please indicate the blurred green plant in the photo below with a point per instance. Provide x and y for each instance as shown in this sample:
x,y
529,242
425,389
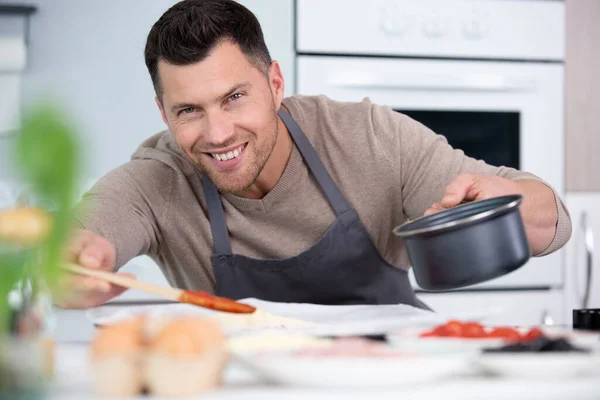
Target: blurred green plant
x,y
47,155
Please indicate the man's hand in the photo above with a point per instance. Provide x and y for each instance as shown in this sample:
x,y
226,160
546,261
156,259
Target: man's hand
x,y
471,187
77,291
538,209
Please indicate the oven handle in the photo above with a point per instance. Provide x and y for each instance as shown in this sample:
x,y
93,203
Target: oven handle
x,y
588,240
430,83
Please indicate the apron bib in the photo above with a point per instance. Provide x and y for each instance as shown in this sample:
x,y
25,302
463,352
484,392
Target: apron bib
x,y
343,267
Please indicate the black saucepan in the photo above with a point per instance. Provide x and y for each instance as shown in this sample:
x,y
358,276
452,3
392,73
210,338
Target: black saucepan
x,y
468,244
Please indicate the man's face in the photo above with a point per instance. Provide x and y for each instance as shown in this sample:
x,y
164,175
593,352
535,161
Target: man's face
x,y
223,113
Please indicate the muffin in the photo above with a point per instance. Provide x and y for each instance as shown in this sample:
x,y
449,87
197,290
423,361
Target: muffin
x,y
186,357
117,356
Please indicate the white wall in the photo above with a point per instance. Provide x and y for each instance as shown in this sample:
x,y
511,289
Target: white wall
x,y
88,56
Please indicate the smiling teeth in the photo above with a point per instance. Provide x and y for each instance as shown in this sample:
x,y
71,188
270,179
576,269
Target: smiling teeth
x,y
228,156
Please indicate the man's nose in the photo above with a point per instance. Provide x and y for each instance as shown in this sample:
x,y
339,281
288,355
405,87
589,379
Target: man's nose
x,y
220,128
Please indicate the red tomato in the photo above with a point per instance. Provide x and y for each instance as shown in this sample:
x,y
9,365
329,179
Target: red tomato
x,y
428,334
473,330
452,328
506,333
533,334
439,330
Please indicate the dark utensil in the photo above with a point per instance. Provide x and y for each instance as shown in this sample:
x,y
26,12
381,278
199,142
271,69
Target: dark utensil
x,y
468,244
587,319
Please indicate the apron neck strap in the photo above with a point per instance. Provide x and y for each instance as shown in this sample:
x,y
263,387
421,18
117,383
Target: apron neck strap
x,y
330,189
216,216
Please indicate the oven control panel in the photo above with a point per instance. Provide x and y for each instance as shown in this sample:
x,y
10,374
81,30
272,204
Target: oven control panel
x,y
509,29
471,23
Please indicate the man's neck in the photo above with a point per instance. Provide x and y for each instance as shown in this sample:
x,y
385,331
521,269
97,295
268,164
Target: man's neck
x,y
274,167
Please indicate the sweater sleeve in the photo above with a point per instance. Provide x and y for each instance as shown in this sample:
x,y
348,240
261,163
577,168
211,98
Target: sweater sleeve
x,y
427,164
126,207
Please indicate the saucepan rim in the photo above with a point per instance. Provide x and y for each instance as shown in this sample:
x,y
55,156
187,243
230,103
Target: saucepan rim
x,y
511,202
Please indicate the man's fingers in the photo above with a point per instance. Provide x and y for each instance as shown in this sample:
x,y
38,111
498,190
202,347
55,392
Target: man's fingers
x,y
437,207
76,291
98,253
457,190
78,283
474,192
91,251
77,244
117,290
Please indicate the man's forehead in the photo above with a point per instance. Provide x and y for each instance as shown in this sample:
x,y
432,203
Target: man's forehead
x,y
223,65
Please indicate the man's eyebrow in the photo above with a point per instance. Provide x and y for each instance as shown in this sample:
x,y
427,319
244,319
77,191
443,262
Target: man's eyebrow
x,y
234,89
240,86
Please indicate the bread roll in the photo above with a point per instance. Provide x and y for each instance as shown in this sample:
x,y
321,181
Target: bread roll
x,y
24,226
186,357
117,356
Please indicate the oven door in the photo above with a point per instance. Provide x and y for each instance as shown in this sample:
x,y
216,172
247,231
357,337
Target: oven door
x,y
506,113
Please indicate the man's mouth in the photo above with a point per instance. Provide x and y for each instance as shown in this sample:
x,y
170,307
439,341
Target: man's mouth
x,y
229,155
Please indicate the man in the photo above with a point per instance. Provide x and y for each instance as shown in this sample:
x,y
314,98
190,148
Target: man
x,y
248,194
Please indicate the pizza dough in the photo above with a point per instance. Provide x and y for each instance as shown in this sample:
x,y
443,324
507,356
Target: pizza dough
x,y
259,320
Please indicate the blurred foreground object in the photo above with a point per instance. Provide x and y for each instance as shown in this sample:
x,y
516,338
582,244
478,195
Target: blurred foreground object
x,y
24,226
32,241
172,357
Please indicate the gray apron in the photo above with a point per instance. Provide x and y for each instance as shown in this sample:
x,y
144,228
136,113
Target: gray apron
x,y
343,267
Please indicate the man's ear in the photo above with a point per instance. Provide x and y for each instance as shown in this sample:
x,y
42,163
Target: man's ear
x,y
162,110
276,82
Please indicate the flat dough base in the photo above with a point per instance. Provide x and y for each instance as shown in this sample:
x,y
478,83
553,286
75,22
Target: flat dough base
x,y
259,319
229,321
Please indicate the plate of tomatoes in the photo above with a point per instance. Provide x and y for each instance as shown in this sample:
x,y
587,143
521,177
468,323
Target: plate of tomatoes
x,y
461,336
475,330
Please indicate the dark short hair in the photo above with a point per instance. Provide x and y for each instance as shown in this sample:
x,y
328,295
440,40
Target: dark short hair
x,y
188,31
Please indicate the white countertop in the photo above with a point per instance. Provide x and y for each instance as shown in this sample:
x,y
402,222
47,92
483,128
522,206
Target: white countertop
x,y
73,383
73,379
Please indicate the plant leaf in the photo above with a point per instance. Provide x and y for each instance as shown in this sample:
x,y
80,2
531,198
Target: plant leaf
x,y
47,155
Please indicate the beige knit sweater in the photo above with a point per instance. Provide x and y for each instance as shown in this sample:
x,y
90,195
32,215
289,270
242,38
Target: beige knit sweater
x,y
388,166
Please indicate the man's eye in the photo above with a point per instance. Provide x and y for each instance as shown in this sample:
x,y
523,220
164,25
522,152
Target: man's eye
x,y
235,96
188,110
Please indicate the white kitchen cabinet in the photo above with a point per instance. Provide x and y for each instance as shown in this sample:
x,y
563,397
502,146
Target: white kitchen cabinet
x,y
585,209
276,18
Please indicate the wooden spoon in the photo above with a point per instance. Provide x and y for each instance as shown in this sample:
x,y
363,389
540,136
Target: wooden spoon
x,y
201,299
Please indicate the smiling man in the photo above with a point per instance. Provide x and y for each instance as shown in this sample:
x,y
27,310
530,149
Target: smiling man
x,y
250,194
229,128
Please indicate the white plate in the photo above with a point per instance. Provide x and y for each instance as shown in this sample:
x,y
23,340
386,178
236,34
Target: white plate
x,y
331,371
442,345
410,340
539,365
275,341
